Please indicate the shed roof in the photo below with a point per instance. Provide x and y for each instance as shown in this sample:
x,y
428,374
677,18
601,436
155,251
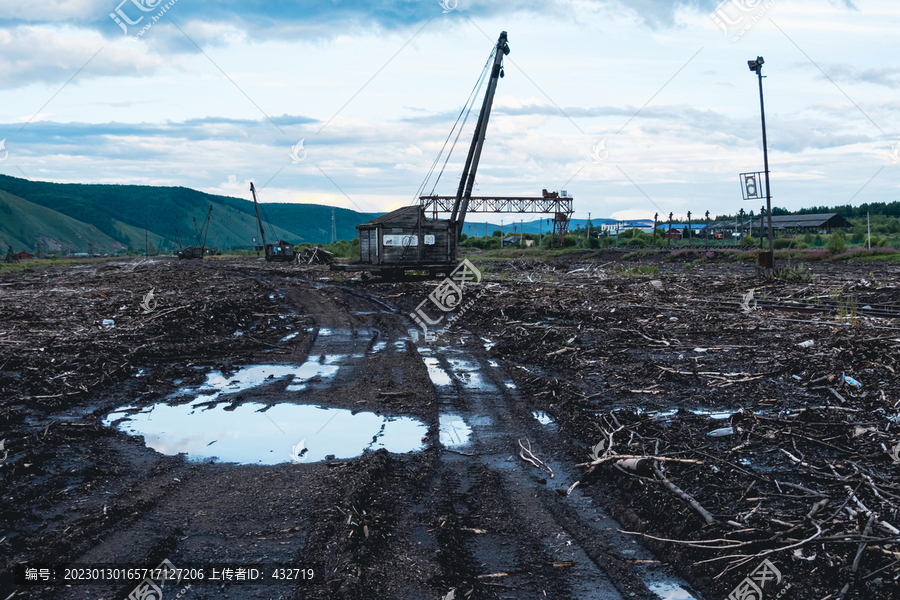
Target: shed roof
x,y
814,220
405,212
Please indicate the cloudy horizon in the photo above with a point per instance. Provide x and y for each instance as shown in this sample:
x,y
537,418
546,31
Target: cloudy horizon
x,y
633,108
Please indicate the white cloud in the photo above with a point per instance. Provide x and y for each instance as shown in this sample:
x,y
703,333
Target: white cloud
x,y
34,54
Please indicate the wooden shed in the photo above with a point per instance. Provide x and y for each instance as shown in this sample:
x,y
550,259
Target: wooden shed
x,y
406,238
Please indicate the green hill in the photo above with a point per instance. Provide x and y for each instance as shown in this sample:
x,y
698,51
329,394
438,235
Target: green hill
x,y
23,224
122,213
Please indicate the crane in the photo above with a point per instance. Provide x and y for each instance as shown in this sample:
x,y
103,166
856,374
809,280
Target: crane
x,y
405,239
198,250
281,250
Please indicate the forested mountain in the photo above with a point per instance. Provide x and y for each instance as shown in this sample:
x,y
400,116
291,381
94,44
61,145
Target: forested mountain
x,y
123,213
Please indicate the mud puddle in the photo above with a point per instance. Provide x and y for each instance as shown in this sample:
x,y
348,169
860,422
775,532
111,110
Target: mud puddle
x,y
253,433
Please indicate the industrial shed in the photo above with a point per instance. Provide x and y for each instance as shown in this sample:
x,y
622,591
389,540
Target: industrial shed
x,y
818,222
406,237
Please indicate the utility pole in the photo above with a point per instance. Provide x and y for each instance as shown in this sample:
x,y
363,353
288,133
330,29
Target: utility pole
x,y
333,227
669,233
589,230
741,228
689,227
707,229
756,67
655,217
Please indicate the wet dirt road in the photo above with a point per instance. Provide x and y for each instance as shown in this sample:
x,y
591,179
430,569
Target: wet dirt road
x,y
452,511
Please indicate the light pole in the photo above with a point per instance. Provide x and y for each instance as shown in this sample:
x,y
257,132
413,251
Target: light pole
x,y
689,227
707,229
655,217
756,67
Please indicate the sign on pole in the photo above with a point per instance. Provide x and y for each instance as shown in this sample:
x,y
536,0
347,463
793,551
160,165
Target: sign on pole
x,y
753,186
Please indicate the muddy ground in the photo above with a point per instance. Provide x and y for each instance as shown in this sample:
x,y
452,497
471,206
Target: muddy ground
x,y
556,357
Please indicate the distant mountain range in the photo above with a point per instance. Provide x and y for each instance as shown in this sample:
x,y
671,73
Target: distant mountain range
x,y
72,217
108,218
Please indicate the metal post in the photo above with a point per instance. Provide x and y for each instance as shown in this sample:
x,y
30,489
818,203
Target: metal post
x,y
756,66
689,227
762,211
655,217
669,233
741,227
707,229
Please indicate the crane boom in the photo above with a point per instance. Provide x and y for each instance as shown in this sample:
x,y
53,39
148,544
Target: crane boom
x,y
258,219
467,181
206,231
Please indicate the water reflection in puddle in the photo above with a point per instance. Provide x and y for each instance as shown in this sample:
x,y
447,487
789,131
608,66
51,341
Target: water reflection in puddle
x,y
542,417
256,375
438,375
249,435
469,374
670,591
702,412
453,430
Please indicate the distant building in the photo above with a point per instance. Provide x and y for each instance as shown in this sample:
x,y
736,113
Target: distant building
x,y
814,223
515,240
645,225
674,234
24,256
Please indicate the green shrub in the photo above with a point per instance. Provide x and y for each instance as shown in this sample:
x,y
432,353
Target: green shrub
x,y
782,243
647,270
837,243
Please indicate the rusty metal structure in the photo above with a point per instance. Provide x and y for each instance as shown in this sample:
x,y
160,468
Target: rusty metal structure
x,y
558,204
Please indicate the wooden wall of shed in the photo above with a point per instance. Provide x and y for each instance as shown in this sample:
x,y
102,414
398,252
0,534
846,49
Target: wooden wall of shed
x,y
373,251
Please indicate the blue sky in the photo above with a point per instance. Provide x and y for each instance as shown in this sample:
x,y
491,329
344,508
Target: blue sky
x,y
215,94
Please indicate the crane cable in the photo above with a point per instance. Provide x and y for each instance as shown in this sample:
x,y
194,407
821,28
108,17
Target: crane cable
x,y
466,110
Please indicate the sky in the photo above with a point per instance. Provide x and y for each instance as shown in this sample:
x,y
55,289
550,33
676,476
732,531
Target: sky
x,y
633,107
